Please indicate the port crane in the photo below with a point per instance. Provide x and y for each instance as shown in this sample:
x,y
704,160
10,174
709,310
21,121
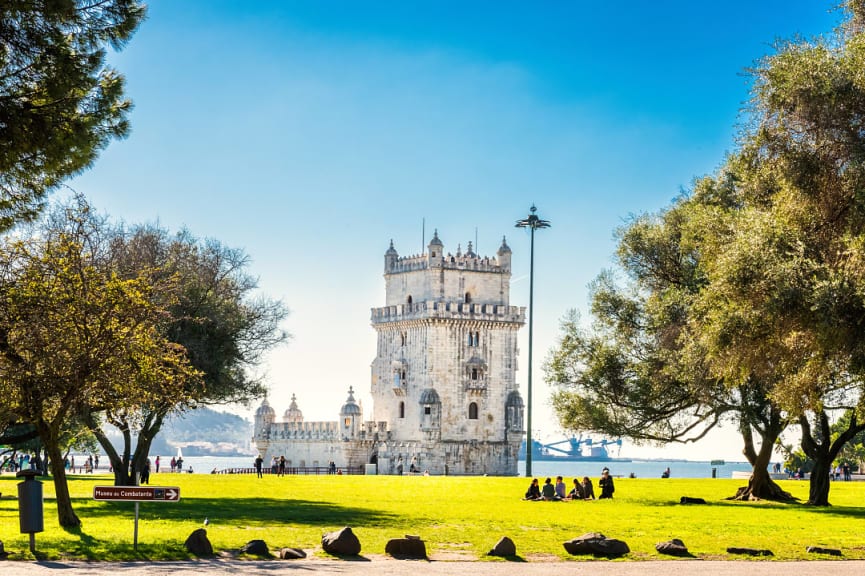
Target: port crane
x,y
576,444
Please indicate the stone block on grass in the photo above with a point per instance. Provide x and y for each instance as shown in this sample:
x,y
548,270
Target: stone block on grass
x,y
341,542
821,550
596,544
749,551
674,547
504,547
291,554
408,547
198,543
255,548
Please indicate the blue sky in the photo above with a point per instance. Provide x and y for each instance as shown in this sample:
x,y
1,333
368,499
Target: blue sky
x,y
311,133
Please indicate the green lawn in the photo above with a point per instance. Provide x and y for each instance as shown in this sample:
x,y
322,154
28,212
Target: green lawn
x,y
458,517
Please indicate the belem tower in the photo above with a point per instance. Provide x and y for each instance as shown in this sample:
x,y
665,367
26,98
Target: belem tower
x,y
444,390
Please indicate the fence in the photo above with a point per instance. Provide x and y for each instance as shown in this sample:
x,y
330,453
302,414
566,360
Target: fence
x,y
296,471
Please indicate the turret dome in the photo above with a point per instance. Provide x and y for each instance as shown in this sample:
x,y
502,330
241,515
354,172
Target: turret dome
x,y
293,414
265,409
350,408
436,241
504,248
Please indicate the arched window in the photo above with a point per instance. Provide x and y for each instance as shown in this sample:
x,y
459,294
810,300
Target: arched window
x,y
403,337
473,411
474,373
402,409
408,300
468,297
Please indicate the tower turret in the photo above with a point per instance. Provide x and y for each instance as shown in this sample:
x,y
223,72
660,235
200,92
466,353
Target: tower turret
x,y
390,258
264,417
350,416
504,255
293,414
435,251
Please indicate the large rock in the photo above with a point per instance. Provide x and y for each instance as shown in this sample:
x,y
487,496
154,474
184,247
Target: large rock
x,y
3,553
504,547
255,548
674,547
341,542
596,544
408,547
198,544
291,554
690,500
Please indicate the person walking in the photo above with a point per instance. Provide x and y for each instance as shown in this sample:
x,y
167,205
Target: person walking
x,y
258,462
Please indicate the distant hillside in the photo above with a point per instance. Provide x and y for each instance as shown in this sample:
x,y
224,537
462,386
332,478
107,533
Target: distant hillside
x,y
201,432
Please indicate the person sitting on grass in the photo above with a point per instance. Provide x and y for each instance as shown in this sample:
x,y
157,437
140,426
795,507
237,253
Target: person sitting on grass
x,y
534,491
549,491
588,489
561,489
576,492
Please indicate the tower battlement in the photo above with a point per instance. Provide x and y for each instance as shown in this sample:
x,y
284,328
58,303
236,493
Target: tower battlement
x,y
449,311
458,261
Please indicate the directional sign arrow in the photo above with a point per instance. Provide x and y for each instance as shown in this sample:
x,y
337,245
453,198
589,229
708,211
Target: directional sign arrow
x,y
137,493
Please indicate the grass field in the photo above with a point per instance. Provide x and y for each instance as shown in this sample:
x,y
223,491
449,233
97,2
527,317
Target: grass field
x,y
458,517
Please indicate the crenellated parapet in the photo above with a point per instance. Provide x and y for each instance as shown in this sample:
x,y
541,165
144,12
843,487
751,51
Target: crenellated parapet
x,y
449,262
449,311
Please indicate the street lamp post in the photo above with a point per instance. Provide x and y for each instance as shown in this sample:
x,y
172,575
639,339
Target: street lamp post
x,y
533,222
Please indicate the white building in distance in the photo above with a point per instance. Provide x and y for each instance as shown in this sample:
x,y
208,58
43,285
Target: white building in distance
x,y
445,396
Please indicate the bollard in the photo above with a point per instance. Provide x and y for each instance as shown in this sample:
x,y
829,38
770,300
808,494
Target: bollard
x,y
30,516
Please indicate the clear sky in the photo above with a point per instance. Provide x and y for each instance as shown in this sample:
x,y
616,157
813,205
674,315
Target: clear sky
x,y
311,133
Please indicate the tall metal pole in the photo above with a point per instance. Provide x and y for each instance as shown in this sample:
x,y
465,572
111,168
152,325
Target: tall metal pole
x,y
532,222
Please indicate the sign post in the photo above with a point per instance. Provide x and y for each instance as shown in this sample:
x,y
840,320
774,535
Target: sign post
x,y
136,494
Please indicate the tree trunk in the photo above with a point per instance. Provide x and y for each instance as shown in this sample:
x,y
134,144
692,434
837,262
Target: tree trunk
x,y
149,429
818,492
119,464
65,515
760,484
817,445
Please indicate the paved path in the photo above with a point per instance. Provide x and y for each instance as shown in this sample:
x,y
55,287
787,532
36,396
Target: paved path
x,y
390,567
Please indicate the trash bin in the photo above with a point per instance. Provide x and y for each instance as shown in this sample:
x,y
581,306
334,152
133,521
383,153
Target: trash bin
x,y
30,515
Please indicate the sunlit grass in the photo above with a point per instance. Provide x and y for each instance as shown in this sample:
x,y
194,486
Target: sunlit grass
x,y
458,517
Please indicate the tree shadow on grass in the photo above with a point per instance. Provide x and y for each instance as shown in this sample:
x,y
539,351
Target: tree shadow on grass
x,y
248,510
89,548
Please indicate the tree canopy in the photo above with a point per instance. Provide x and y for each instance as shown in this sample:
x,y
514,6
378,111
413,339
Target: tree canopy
x,y
212,311
751,284
75,336
60,104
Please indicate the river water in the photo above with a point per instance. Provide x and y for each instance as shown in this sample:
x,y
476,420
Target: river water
x,y
540,468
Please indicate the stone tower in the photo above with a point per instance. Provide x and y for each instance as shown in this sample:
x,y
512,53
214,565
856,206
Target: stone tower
x,y
444,376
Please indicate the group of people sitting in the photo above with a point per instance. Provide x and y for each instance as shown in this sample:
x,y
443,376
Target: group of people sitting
x,y
582,490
